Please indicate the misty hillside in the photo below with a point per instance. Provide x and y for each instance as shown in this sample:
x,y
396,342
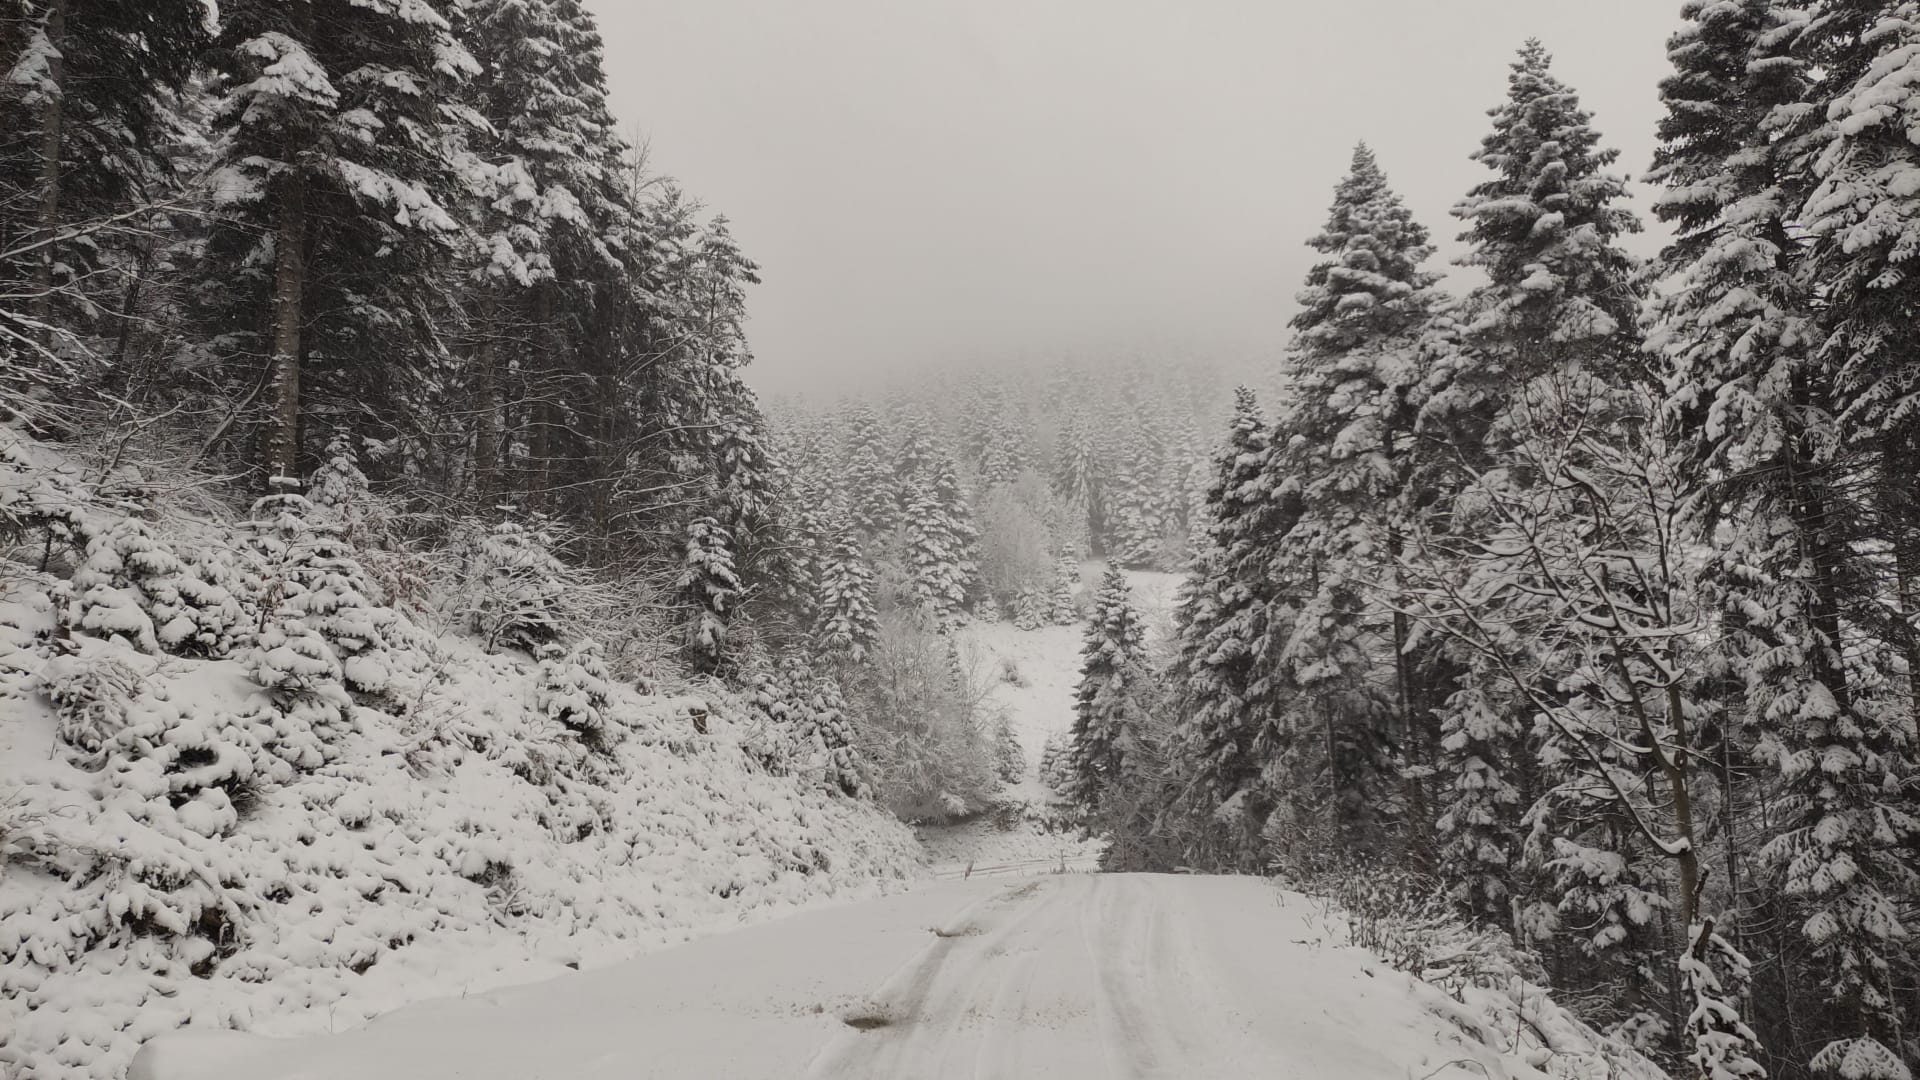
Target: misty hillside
x,y
1187,616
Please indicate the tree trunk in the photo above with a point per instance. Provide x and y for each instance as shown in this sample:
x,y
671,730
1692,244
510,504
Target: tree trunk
x,y
486,407
543,414
289,288
53,120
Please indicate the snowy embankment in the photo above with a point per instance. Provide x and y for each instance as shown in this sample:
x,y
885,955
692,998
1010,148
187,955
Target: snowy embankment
x,y
250,838
1067,976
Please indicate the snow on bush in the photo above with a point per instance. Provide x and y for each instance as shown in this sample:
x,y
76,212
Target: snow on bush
x,y
241,792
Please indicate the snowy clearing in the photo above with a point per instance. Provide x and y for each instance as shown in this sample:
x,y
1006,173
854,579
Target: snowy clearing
x,y
1065,976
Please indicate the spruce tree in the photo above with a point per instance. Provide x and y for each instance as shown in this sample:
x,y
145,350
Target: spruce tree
x,y
1106,702
1065,587
574,690
87,111
712,591
546,248
1343,447
331,174
1229,622
1545,230
1777,352
868,478
940,543
846,625
514,587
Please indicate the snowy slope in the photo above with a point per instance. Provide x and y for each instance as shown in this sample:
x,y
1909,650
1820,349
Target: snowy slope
x,y
187,838
372,885
1064,977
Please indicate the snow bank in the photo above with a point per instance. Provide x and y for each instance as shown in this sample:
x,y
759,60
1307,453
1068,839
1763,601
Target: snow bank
x,y
291,815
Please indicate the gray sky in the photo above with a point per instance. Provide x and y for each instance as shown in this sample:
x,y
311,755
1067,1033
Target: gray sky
x,y
946,181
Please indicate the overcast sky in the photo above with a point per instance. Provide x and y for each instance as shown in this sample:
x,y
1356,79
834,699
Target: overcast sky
x,y
947,181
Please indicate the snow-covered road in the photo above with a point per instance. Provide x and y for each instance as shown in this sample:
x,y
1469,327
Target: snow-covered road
x,y
1062,977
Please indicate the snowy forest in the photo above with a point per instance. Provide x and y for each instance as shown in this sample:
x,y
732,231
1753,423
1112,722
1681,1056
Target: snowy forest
x,y
401,586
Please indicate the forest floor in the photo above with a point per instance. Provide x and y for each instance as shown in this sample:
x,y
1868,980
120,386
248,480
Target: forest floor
x,y
1065,976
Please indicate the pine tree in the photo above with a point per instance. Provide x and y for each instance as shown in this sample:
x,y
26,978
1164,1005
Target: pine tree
x,y
331,170
1544,229
547,252
1077,477
809,708
86,113
130,585
515,585
1723,1044
329,593
1229,621
1060,602
712,590
868,479
940,543
847,625
1480,805
1029,609
1112,674
574,690
1786,401
1343,446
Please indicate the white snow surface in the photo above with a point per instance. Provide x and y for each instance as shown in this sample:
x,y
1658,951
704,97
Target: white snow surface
x,y
1066,977
391,897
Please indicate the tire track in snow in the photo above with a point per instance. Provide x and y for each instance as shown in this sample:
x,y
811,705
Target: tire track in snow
x,y
934,1024
1130,944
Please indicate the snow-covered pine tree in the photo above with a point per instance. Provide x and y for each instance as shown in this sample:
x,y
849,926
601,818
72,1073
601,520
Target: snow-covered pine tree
x,y
1545,230
846,625
913,458
1029,609
810,711
514,588
304,685
330,593
1342,448
573,690
547,252
940,538
1004,457
712,591
1479,805
1229,620
1776,352
331,167
1064,590
1106,702
86,110
129,585
341,495
1056,766
1527,354
866,475
1077,478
